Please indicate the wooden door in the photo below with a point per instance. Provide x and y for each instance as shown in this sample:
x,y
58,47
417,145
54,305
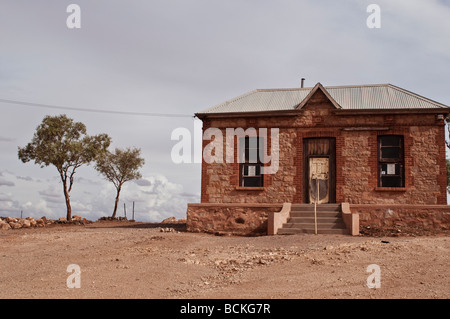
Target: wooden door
x,y
319,169
319,180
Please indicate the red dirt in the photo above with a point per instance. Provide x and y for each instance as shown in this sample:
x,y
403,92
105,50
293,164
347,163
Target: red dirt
x,y
137,260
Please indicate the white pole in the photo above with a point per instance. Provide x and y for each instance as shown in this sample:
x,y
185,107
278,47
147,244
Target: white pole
x,y
315,207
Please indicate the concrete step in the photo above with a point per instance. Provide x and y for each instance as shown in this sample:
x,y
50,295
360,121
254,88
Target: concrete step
x,y
310,219
335,225
301,220
293,231
320,207
325,214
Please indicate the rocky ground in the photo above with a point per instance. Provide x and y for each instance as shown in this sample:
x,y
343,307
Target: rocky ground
x,y
145,260
28,222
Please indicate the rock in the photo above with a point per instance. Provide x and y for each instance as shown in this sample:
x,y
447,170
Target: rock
x,y
29,222
11,219
169,220
26,223
4,225
15,225
167,230
40,222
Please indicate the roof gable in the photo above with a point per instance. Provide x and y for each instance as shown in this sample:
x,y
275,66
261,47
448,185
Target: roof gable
x,y
318,88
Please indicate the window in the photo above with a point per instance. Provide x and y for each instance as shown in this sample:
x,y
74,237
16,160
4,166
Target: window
x,y
251,165
390,161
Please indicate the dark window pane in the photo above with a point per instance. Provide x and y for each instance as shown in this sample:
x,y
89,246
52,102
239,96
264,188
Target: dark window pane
x,y
397,169
391,140
253,181
391,181
390,152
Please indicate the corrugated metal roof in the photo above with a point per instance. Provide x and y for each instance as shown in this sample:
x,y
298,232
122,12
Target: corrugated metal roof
x,y
362,97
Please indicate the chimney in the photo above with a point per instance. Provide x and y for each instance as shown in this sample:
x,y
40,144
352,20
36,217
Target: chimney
x,y
303,81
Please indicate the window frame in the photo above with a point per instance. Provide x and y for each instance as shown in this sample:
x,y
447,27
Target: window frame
x,y
245,161
399,161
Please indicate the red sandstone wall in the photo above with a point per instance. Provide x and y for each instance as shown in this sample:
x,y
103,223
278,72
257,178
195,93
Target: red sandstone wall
x,y
219,219
356,159
413,219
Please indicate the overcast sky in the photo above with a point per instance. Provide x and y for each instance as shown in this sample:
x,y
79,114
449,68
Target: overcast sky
x,y
181,57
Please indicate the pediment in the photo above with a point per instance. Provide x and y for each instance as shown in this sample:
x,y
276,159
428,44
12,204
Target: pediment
x,y
318,98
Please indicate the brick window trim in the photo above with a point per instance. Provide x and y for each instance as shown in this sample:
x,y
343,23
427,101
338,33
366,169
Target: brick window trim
x,y
249,188
237,168
391,189
400,160
408,160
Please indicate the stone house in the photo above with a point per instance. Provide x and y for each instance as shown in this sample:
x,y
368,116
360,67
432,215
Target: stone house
x,y
358,156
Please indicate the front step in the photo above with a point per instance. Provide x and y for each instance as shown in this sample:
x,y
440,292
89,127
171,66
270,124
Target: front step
x,y
293,231
320,207
301,220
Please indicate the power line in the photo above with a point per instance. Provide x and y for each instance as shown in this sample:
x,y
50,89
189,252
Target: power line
x,y
93,110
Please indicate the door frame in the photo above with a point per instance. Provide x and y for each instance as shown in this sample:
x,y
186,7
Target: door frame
x,y
332,167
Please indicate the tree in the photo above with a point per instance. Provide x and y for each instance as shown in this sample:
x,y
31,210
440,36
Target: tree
x,y
120,167
63,143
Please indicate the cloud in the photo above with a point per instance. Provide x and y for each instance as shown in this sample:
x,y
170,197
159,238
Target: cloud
x,y
81,208
12,207
51,194
189,195
26,178
40,209
6,139
8,206
84,180
155,198
142,182
5,197
4,182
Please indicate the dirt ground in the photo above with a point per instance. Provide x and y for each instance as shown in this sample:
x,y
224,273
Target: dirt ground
x,y
137,260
